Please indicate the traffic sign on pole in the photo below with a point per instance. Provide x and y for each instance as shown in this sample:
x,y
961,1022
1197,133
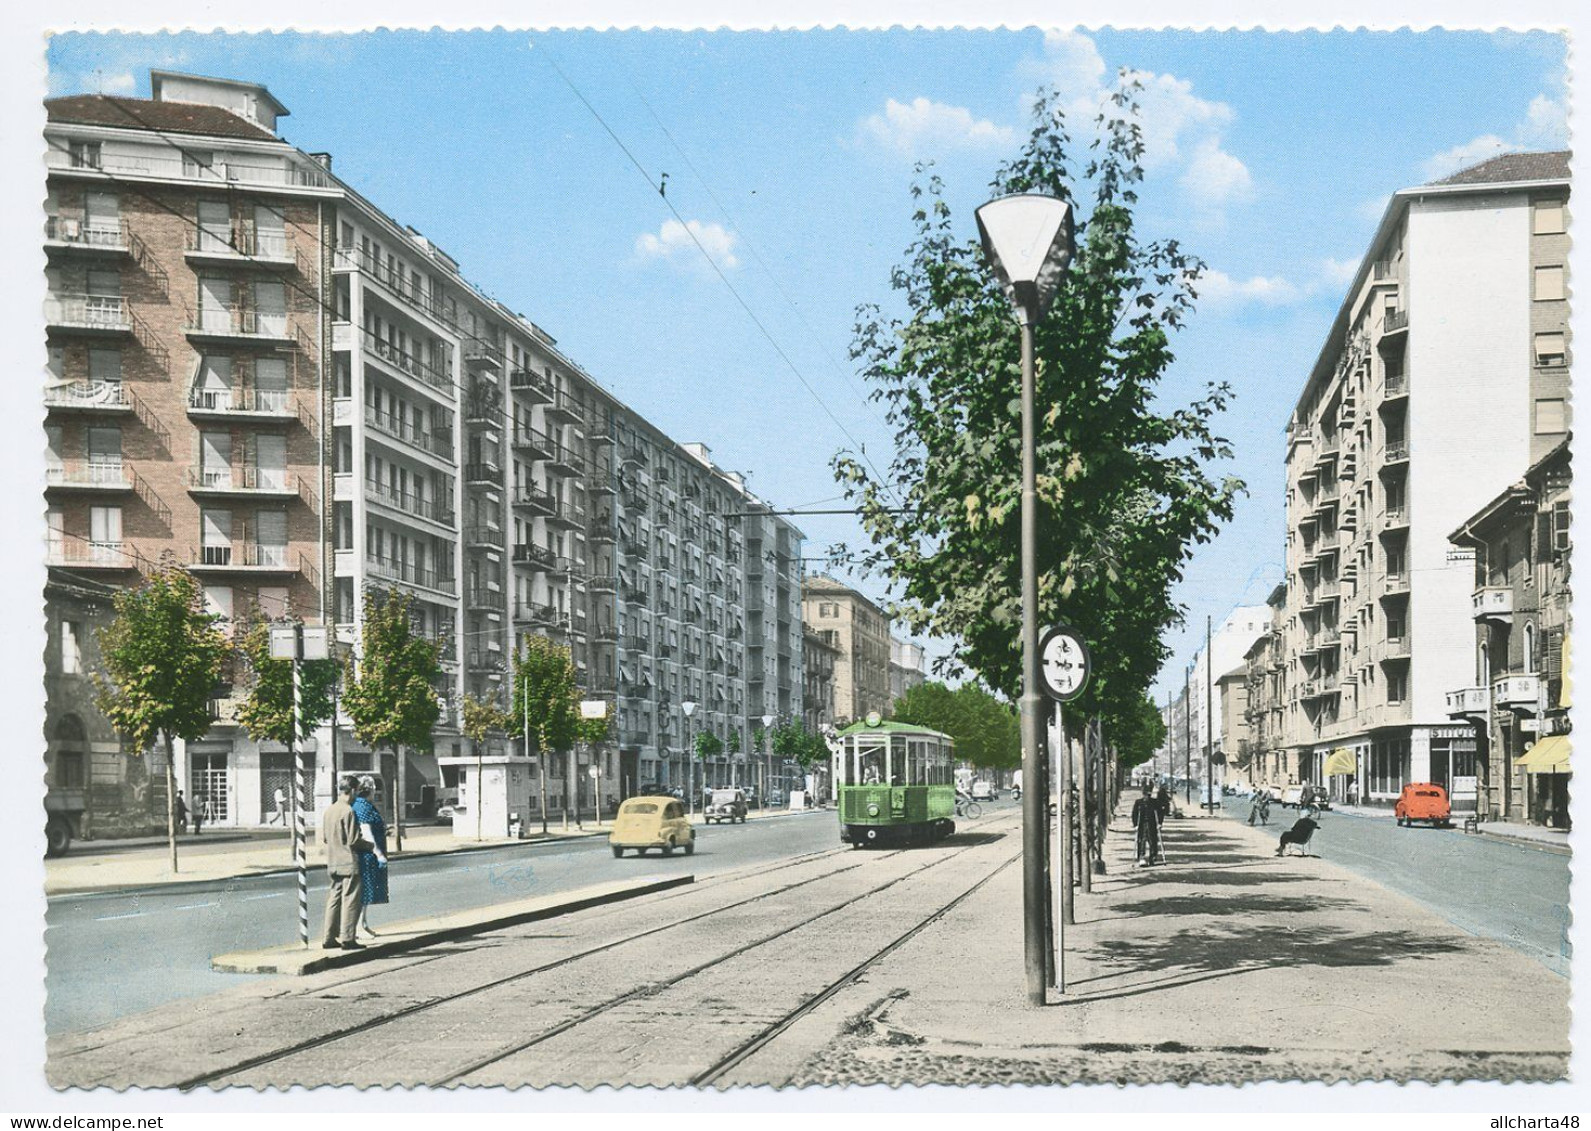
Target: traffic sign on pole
x,y
1063,663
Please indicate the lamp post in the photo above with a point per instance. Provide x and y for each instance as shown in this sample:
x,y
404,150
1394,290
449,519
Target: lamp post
x,y
1027,239
767,760
689,707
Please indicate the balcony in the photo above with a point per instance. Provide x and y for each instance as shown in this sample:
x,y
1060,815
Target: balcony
x,y
533,499
566,515
634,549
606,634
1468,701
90,475
1395,518
537,444
238,325
1396,451
538,615
565,408
1395,585
482,473
562,461
486,662
104,238
90,396
409,574
73,553
603,583
1493,602
484,538
1396,387
241,404
244,557
437,442
105,316
1395,649
437,510
1520,692
407,365
539,558
239,248
1395,322
248,481
532,385
483,356
395,282
291,172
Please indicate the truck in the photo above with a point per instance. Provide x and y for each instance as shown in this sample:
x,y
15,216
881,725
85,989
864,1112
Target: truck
x,y
63,816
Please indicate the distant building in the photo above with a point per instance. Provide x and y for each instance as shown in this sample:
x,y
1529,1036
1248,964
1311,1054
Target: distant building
x,y
1445,371
906,668
1518,700
861,639
820,656
1265,758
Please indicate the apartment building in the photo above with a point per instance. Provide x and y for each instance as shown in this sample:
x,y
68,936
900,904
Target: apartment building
x,y
818,701
1521,545
1445,371
1265,759
255,368
859,630
907,667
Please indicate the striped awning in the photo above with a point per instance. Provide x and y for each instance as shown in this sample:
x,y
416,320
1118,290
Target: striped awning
x,y
1548,756
1341,761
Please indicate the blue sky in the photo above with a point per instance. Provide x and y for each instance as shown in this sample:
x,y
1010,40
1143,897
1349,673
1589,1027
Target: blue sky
x,y
790,155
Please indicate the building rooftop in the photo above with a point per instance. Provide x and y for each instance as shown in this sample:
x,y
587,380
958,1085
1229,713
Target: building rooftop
x,y
1510,168
147,114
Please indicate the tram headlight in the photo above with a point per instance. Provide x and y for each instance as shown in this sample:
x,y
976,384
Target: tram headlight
x,y
872,810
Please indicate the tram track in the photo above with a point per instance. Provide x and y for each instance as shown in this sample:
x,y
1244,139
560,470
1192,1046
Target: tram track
x,y
651,989
320,1041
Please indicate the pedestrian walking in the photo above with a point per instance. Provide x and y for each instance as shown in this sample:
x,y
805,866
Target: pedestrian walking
x,y
339,831
182,811
281,806
1146,819
372,859
1261,808
201,812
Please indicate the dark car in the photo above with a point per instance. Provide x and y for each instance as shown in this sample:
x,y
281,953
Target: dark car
x,y
726,805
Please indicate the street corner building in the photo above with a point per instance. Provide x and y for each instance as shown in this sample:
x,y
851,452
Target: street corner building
x,y
304,400
1418,639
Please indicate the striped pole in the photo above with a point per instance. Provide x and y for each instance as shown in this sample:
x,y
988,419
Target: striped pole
x,y
300,808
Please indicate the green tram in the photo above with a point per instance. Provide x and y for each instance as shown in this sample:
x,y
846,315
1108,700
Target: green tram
x,y
895,784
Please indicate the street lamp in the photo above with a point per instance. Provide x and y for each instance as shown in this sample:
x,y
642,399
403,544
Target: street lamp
x,y
689,707
1027,239
767,759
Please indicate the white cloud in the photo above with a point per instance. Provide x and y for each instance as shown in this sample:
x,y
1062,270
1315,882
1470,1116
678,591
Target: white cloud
x,y
1544,126
1183,134
1339,272
1221,290
672,243
923,127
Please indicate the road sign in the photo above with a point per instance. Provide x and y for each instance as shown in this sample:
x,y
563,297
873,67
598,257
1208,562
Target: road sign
x,y
593,708
1063,663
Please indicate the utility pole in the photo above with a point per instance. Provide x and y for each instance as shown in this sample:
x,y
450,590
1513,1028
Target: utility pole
x,y
1187,733
296,644
1209,720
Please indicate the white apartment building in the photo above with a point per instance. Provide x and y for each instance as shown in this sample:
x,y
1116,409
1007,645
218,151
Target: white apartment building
x,y
1444,375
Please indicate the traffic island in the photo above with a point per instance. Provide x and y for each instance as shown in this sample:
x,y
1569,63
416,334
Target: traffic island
x,y
412,934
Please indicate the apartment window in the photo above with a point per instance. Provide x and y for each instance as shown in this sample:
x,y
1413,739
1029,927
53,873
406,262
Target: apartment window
x,y
71,647
105,447
827,609
215,226
1549,284
1551,349
85,155
1560,527
218,601
104,365
1549,217
1396,626
105,526
102,216
1397,687
1551,416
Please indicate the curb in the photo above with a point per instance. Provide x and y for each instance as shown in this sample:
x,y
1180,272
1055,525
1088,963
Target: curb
x,y
295,960
1553,847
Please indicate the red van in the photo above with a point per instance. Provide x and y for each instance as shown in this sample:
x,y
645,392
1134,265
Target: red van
x,y
1423,801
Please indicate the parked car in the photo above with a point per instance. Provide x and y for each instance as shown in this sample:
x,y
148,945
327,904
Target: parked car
x,y
1423,801
983,790
652,822
1291,797
726,805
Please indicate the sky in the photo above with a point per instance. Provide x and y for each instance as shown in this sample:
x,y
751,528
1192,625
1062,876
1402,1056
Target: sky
x,y
723,308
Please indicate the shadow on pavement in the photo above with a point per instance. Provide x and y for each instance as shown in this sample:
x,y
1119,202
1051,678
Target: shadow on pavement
x,y
1226,904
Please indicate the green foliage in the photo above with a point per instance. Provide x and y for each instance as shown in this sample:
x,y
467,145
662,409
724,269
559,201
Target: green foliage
x,y
545,696
596,730
708,745
267,713
478,718
1138,734
734,740
793,740
1123,490
987,730
392,698
163,657
758,737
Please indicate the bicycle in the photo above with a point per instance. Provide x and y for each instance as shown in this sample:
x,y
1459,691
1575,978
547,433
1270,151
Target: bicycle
x,y
968,808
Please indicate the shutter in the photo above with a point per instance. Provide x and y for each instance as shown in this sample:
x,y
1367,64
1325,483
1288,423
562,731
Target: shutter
x,y
270,308
1543,535
215,226
215,304
215,458
102,212
271,459
270,232
270,384
217,528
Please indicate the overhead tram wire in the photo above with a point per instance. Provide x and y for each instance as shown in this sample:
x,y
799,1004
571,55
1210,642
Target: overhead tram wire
x,y
717,270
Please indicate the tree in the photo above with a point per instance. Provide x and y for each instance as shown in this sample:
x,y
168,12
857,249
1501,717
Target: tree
x,y
163,657
1123,489
391,694
546,710
477,719
986,729
267,713
594,732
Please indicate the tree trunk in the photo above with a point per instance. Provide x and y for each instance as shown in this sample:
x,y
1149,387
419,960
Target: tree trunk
x,y
171,800
568,785
541,772
397,802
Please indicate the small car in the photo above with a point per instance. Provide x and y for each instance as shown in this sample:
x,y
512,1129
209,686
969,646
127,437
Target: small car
x,y
984,790
652,822
726,805
1423,801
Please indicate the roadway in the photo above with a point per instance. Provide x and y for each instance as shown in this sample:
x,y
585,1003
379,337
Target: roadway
x,y
111,954
1513,893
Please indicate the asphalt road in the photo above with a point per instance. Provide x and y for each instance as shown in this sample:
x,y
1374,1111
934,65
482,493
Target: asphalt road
x,y
1491,888
111,954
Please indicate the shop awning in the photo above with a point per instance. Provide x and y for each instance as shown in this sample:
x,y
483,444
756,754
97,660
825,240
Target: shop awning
x,y
1549,756
1341,761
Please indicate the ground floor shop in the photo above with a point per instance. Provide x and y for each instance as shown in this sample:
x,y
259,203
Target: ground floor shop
x,y
1373,768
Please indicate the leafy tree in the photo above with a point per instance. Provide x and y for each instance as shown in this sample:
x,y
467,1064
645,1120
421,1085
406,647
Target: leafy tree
x,y
546,711
477,719
1138,734
1123,490
986,729
267,713
163,657
391,694
708,745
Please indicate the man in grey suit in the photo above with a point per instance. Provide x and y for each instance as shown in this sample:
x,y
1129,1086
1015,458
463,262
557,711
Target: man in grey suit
x,y
339,830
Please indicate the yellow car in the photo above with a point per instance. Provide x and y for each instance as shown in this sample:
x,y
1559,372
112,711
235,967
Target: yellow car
x,y
652,822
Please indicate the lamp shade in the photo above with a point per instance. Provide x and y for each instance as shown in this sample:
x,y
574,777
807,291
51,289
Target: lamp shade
x,y
688,705
1027,239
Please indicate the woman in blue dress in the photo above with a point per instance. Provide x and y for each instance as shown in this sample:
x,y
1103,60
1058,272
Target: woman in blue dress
x,y
372,864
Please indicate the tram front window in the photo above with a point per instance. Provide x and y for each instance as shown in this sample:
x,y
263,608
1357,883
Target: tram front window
x,y
872,767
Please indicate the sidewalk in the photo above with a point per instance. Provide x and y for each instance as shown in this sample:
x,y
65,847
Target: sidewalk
x,y
241,854
1226,965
